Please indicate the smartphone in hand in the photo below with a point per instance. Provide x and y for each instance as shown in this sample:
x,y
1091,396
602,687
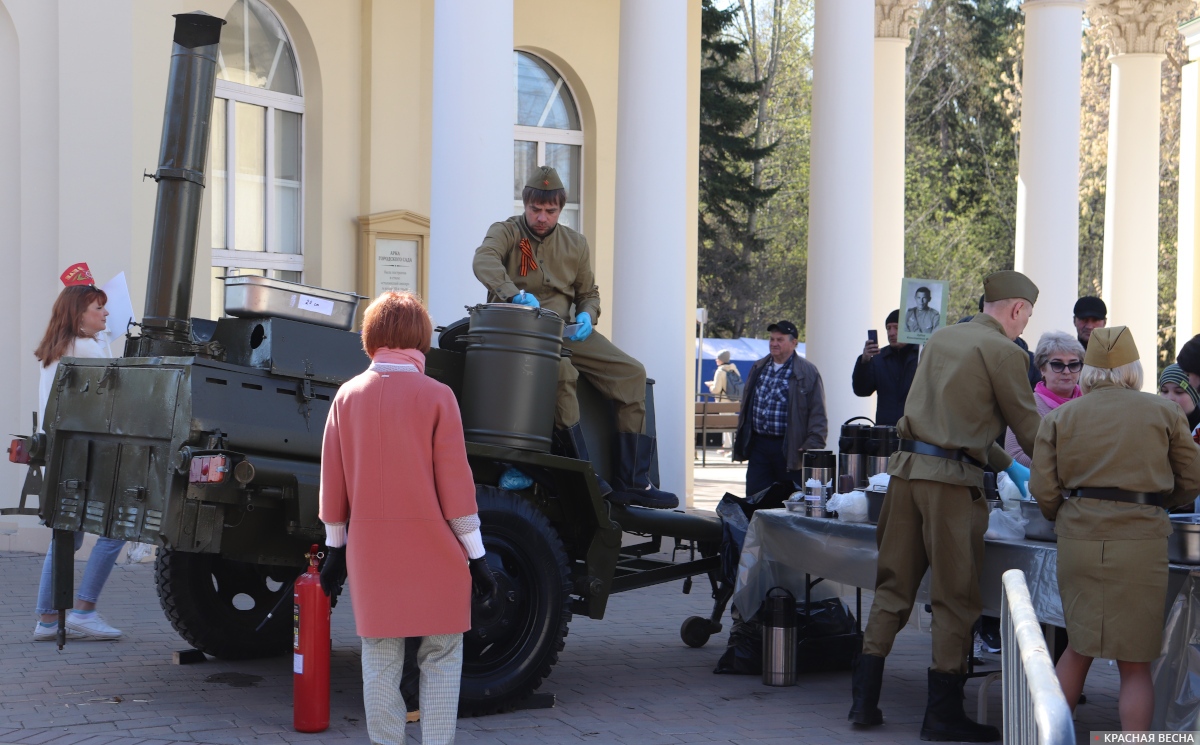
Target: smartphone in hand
x,y
873,335
570,330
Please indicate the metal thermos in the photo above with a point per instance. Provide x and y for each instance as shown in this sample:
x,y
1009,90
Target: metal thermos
x,y
779,638
884,441
852,455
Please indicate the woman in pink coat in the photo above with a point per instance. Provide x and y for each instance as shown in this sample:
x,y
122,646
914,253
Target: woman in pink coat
x,y
395,478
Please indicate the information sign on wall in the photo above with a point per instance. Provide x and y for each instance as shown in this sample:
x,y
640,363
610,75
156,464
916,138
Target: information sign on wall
x,y
397,266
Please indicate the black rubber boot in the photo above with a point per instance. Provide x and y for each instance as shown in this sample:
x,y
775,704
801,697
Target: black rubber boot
x,y
571,442
868,680
945,720
635,453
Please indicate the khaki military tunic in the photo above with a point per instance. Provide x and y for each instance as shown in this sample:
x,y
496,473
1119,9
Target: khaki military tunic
x,y
564,278
971,382
1112,556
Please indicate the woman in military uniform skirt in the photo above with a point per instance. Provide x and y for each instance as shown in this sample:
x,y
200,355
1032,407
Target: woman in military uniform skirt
x,y
1112,525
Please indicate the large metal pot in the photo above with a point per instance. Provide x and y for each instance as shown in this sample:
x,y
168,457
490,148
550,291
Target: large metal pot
x,y
511,379
1183,547
1038,528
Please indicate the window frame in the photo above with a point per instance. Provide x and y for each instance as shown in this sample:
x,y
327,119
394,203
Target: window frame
x,y
552,135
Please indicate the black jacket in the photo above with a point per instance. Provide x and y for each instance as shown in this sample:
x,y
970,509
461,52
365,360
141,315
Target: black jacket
x,y
807,424
889,374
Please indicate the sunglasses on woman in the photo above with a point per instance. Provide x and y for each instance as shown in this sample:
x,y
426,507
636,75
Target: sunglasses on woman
x,y
1058,366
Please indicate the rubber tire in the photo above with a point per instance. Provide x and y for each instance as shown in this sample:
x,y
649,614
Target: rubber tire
x,y
523,546
695,631
204,614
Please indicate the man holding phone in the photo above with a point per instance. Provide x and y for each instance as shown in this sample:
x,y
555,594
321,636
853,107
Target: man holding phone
x,y
888,373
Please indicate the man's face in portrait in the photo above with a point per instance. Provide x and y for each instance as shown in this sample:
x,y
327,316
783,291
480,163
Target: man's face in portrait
x,y
923,298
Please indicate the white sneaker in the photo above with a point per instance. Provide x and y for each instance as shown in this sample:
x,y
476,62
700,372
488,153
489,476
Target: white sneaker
x,y
47,634
91,626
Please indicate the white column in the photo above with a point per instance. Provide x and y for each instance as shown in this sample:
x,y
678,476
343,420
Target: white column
x,y
840,191
472,162
893,21
1187,310
1047,247
1137,31
653,318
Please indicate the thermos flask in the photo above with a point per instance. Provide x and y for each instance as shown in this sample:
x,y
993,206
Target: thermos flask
x,y
779,638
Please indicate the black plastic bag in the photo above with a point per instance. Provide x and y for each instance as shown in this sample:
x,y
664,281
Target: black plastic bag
x,y
826,640
743,652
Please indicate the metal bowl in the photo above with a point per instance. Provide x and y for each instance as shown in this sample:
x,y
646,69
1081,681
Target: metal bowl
x,y
1183,546
1038,528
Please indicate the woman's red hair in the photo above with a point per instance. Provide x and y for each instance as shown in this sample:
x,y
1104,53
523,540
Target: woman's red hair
x,y
65,319
397,320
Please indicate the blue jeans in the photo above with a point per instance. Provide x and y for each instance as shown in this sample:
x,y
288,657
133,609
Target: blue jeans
x,y
767,464
99,566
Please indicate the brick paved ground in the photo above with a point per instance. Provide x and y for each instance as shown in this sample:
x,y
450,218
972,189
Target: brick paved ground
x,y
625,680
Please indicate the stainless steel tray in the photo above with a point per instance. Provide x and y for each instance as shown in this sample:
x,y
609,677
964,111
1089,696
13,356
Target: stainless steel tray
x,y
249,296
1183,546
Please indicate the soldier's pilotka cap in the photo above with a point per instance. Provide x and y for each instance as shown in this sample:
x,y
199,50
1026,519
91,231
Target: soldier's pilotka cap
x,y
1110,348
544,178
1006,284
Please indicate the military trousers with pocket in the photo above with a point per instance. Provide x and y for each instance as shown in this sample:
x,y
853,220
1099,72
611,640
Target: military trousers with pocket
x,y
619,378
935,526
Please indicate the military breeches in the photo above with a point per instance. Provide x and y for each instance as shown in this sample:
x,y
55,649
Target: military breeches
x,y
619,378
929,525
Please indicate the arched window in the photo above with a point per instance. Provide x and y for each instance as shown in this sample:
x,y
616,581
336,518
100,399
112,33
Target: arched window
x,y
547,132
256,155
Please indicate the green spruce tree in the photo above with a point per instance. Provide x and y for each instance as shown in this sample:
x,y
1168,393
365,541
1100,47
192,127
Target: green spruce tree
x,y
728,197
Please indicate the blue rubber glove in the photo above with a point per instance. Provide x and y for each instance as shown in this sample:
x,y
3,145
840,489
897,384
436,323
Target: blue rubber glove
x,y
524,298
585,327
1020,476
514,480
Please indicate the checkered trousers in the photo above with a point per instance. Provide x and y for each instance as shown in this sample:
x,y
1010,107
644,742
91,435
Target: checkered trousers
x,y
440,661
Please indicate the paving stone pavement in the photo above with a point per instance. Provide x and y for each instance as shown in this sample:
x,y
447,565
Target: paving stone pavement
x,y
625,680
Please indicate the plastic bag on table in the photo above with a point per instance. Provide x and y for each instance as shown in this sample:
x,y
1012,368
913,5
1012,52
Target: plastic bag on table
x,y
850,507
879,482
1005,526
1010,493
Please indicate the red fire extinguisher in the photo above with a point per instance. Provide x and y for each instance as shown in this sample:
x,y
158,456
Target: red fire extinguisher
x,y
310,650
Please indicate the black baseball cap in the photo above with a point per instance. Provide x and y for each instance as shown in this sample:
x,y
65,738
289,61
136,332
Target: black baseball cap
x,y
1090,307
785,327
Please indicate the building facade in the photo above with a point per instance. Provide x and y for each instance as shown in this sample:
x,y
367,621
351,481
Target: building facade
x,y
357,145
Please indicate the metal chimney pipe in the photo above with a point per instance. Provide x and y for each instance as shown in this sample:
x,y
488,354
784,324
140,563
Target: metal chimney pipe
x,y
180,176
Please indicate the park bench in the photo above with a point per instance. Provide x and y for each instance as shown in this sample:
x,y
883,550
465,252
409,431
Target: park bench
x,y
714,414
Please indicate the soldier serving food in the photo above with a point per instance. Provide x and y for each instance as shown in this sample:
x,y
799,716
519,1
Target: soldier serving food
x,y
529,259
971,383
1113,528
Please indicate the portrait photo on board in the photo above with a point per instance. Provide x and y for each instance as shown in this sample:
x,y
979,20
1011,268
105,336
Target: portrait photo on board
x,y
924,304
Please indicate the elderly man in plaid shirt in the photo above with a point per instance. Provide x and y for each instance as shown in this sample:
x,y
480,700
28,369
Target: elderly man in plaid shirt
x,y
783,413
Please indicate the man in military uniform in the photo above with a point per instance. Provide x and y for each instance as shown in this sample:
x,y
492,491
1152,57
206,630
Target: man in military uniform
x,y
920,318
970,384
529,259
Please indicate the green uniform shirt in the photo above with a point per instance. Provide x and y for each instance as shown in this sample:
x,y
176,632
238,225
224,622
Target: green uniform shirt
x,y
1116,438
564,274
971,382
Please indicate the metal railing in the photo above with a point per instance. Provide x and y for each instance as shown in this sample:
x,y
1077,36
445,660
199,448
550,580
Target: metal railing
x,y
1034,708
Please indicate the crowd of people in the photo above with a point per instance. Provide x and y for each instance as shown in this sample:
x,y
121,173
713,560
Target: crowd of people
x,y
991,403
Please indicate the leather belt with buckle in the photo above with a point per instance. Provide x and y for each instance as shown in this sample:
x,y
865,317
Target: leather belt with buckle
x,y
924,448
1118,495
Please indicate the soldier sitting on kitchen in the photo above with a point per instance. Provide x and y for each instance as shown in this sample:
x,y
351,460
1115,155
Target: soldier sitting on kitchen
x,y
529,259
